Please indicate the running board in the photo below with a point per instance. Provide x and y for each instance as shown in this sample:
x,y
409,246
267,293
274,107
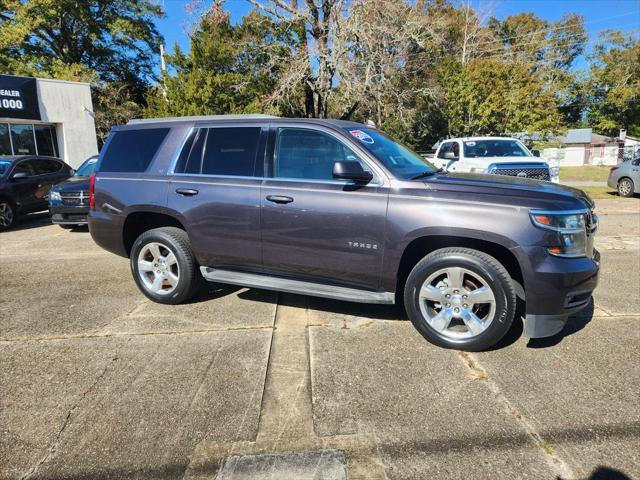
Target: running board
x,y
267,282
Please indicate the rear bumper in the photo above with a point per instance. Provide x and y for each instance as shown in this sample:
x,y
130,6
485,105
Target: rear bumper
x,y
68,215
561,287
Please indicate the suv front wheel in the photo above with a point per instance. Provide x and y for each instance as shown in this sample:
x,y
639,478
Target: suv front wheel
x,y
164,267
460,298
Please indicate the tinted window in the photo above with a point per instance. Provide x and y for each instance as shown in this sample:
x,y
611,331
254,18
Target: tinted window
x,y
132,150
26,166
5,141
44,167
231,151
446,147
46,140
190,160
22,136
309,154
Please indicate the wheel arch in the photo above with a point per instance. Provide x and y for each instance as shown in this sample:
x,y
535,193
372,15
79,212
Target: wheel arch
x,y
140,221
421,246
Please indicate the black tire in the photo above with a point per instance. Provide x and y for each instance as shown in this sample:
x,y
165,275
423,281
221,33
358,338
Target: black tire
x,y
176,241
8,214
484,266
625,187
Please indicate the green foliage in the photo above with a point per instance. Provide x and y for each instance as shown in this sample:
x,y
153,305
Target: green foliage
x,y
117,40
225,71
614,85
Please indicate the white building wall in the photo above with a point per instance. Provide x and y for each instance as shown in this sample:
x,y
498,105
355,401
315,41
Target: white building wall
x,y
69,106
574,156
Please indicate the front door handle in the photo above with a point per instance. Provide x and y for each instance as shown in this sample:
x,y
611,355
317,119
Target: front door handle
x,y
279,199
187,192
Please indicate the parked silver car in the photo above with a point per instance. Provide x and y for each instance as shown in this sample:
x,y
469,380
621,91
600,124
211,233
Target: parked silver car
x,y
626,177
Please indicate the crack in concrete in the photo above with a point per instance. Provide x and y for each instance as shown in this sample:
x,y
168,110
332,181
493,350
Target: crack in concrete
x,y
128,334
557,464
51,449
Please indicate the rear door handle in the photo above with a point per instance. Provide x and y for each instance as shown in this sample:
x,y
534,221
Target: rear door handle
x,y
279,199
187,192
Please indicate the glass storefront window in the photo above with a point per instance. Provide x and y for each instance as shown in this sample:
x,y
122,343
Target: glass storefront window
x,y
46,140
22,138
5,141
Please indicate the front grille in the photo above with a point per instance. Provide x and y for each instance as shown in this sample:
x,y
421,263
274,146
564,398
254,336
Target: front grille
x,y
537,173
75,198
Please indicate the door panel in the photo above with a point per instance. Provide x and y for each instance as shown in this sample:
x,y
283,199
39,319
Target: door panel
x,y
314,227
328,232
222,218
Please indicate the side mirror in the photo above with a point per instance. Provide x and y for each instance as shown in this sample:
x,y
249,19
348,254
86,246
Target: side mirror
x,y
536,153
450,156
351,171
19,176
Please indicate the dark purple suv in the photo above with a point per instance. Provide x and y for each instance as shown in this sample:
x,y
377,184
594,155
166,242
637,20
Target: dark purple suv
x,y
340,210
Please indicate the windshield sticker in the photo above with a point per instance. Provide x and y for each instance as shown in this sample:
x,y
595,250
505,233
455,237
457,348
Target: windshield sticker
x,y
91,162
362,136
470,144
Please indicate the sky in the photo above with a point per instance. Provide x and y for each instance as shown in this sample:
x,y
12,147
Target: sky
x,y
598,15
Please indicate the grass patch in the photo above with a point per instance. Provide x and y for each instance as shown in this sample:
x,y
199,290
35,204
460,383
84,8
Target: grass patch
x,y
547,448
585,173
600,192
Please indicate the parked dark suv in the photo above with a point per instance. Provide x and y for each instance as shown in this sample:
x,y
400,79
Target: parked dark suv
x,y
339,210
25,182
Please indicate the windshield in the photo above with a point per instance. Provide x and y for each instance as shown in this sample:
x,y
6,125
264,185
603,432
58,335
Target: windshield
x,y
401,161
87,168
4,166
494,148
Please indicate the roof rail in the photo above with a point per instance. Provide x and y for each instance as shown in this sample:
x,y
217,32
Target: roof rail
x,y
201,118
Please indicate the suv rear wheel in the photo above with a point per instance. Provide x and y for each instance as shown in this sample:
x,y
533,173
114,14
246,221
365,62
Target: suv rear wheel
x,y
164,267
460,298
625,187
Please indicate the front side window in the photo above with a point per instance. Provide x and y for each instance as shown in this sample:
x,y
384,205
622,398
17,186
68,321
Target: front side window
x,y
26,166
22,137
132,150
494,148
309,154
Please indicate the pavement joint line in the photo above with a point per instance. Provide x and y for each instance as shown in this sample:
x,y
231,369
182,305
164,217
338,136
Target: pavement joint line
x,y
129,334
286,422
477,371
51,449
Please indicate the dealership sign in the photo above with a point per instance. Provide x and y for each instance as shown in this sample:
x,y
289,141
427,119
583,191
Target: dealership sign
x,y
19,98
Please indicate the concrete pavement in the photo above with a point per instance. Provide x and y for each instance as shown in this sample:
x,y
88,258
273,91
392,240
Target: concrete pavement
x,y
98,382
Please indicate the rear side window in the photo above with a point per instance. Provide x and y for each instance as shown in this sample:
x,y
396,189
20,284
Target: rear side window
x,y
230,151
44,167
132,150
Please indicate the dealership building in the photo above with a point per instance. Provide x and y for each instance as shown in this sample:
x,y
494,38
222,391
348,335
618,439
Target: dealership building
x,y
47,117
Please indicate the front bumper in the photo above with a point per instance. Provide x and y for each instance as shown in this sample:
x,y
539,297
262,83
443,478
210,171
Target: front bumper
x,y
562,287
62,215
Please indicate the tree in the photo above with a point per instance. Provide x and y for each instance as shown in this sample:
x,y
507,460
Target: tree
x,y
227,69
614,85
115,39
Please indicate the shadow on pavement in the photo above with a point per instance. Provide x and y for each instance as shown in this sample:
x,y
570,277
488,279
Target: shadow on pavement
x,y
32,220
575,323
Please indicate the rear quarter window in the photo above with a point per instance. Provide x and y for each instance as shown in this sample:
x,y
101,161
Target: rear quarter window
x,y
132,150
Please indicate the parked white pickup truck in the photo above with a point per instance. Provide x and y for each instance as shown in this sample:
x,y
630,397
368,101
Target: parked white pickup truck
x,y
493,155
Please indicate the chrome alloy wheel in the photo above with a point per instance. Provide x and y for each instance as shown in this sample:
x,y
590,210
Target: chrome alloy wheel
x,y
6,214
624,187
457,302
158,268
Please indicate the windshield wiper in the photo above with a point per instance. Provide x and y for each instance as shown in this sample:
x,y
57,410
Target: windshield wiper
x,y
428,173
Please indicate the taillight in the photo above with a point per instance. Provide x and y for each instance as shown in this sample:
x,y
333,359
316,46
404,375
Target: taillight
x,y
613,169
92,195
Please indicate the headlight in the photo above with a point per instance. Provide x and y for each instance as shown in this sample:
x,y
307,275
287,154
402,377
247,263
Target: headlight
x,y
478,170
554,171
571,228
55,196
